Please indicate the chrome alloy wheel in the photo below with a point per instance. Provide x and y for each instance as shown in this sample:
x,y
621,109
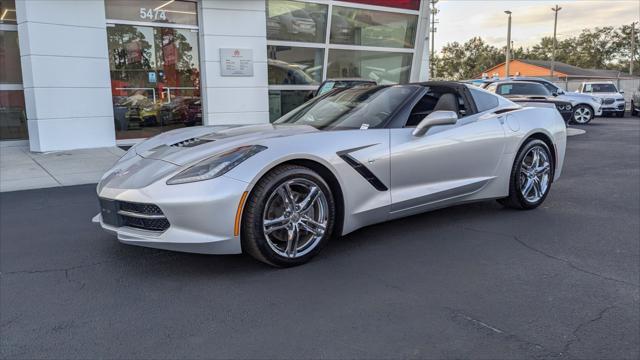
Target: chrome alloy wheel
x,y
582,115
295,218
535,172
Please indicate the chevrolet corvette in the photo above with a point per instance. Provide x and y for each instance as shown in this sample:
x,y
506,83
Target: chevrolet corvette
x,y
347,159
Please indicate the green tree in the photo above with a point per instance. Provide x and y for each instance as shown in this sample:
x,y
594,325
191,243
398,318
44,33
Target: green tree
x,y
462,61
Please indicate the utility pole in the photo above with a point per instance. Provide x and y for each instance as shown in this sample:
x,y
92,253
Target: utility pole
x,y
433,30
633,47
555,42
508,62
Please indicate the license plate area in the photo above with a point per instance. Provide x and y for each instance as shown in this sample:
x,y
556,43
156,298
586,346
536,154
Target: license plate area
x,y
109,211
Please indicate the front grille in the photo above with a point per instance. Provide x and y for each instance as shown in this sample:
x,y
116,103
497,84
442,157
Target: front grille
x,y
136,215
146,224
146,209
608,101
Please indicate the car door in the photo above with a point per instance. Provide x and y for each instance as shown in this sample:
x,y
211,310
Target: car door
x,y
448,162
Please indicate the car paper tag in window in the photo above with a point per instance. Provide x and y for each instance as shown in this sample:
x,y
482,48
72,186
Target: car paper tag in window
x,y
364,127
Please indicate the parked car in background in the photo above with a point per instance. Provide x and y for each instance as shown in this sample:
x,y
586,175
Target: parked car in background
x,y
585,106
531,94
635,102
331,84
612,100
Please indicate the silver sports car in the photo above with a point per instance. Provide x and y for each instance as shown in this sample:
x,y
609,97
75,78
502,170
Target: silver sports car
x,y
344,160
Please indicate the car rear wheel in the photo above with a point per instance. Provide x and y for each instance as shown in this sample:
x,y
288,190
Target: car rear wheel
x,y
582,114
289,217
531,176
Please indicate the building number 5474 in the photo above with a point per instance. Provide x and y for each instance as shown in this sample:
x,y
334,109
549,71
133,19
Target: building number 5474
x,y
152,14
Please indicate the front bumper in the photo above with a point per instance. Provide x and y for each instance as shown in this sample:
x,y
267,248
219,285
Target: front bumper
x,y
615,107
201,215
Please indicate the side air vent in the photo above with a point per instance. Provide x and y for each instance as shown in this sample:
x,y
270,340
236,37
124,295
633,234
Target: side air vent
x,y
363,171
191,142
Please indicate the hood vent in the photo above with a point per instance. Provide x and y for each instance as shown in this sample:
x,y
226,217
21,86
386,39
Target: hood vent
x,y
191,142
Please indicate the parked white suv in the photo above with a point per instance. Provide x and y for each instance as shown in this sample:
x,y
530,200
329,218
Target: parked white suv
x,y
612,100
585,106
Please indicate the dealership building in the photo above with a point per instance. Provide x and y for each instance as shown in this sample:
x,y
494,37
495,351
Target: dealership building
x,y
96,73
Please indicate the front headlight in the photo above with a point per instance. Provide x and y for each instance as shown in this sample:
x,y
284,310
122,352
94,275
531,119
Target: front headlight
x,y
215,166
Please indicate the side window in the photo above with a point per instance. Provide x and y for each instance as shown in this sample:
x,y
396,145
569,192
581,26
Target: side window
x,y
552,88
504,89
483,100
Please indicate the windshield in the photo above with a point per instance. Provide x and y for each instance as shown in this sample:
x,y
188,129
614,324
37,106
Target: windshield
x,y
600,88
351,108
330,85
523,89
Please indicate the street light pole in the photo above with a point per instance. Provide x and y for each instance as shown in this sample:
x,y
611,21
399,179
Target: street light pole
x,y
434,12
508,62
555,42
633,47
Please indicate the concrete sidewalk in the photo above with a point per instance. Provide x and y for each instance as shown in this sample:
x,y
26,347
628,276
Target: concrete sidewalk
x,y
21,169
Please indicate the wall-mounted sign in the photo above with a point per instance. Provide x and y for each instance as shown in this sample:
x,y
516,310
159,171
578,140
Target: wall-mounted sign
x,y
152,77
236,62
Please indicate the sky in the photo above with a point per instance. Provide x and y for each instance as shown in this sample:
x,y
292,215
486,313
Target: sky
x,y
460,20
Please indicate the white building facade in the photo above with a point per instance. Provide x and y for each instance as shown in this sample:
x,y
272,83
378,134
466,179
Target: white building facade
x,y
96,73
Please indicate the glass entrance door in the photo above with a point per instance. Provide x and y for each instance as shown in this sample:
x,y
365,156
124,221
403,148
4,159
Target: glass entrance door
x,y
155,79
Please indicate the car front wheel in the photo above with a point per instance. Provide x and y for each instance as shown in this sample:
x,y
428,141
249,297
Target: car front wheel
x,y
289,217
583,114
531,176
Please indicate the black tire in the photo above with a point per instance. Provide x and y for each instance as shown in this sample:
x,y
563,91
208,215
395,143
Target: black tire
x,y
516,199
580,120
253,239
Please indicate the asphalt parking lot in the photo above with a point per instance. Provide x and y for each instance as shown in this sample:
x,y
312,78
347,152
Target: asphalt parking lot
x,y
474,281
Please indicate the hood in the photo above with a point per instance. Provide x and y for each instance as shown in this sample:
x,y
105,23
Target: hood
x,y
609,95
575,95
187,145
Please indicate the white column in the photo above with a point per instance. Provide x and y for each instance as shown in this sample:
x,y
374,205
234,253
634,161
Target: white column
x,y
233,24
65,67
423,50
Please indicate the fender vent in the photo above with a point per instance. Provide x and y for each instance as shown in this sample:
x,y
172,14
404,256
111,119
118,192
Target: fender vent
x,y
364,172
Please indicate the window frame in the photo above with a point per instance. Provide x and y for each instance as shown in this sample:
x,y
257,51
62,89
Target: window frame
x,y
327,46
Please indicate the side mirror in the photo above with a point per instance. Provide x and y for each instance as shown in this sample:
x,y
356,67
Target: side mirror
x,y
560,92
621,91
555,94
433,119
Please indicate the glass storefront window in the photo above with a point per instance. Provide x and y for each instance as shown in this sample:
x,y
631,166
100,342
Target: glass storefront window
x,y
383,67
354,41
351,26
8,12
295,65
9,58
155,79
296,21
283,101
153,11
13,121
401,4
